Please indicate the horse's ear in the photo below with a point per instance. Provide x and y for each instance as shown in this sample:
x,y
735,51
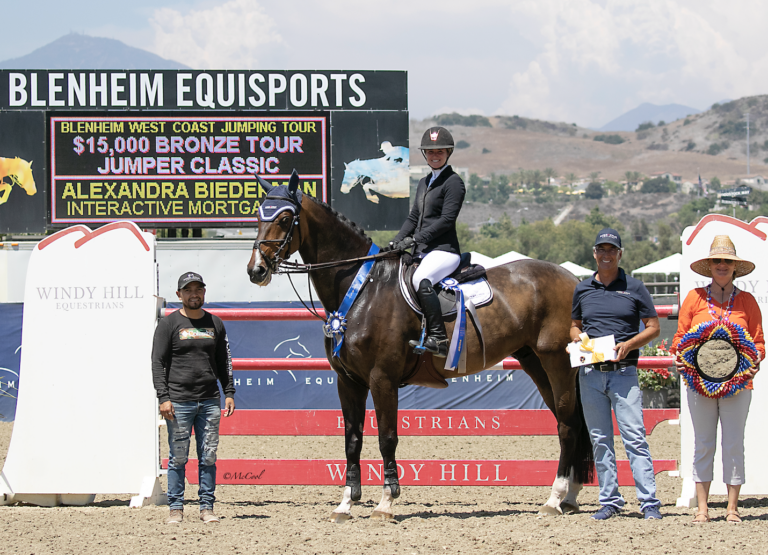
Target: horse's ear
x,y
265,184
293,184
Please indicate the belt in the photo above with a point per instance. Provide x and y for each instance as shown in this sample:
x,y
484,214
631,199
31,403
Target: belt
x,y
612,366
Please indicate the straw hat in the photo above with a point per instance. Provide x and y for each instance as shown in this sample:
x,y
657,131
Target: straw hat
x,y
722,247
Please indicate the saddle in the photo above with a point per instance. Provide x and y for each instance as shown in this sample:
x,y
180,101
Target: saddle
x,y
473,283
471,278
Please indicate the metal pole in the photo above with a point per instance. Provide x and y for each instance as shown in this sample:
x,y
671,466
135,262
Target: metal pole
x,y
747,144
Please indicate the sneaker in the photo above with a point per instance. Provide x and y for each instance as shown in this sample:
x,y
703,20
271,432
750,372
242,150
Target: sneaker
x,y
207,515
605,512
175,517
652,513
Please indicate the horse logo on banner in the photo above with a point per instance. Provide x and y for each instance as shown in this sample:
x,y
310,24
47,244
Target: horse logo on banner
x,y
20,173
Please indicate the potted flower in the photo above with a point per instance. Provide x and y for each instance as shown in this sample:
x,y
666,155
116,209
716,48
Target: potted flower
x,y
655,382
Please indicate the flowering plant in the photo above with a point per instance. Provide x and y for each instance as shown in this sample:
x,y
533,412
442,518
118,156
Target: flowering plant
x,y
655,379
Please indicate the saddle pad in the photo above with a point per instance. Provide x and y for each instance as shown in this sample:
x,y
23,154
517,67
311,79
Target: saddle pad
x,y
478,291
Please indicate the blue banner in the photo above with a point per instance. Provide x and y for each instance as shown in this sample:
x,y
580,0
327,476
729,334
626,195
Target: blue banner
x,y
284,389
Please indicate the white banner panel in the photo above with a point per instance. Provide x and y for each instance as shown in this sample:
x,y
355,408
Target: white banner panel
x,y
86,418
751,244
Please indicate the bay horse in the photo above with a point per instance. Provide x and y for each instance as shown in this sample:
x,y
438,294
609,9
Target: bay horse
x,y
529,318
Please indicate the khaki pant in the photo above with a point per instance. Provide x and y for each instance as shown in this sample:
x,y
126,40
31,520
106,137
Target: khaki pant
x,y
732,413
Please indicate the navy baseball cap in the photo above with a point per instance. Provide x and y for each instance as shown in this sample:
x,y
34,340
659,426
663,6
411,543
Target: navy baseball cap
x,y
610,236
188,277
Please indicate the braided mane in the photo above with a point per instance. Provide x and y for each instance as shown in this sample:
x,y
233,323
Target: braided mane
x,y
349,224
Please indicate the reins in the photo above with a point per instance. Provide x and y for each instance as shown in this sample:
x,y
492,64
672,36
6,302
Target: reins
x,y
280,265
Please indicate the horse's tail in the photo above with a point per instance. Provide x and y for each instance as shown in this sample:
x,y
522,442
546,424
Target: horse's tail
x,y
584,458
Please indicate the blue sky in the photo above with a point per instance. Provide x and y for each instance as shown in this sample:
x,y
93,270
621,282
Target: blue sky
x,y
583,61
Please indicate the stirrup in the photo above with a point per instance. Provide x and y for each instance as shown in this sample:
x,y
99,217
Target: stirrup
x,y
418,346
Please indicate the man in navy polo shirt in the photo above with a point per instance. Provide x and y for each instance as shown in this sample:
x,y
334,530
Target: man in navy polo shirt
x,y
613,303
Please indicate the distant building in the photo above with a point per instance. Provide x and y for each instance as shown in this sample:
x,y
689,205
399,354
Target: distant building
x,y
756,181
673,177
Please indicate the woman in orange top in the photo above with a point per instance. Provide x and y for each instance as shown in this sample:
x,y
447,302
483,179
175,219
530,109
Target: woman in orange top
x,y
719,300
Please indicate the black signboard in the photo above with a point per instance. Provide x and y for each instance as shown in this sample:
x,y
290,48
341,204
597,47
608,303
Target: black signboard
x,y
179,168
182,148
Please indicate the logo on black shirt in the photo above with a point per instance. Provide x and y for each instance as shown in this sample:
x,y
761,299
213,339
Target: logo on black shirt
x,y
197,333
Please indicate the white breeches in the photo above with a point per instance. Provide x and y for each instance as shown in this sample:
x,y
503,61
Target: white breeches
x,y
435,266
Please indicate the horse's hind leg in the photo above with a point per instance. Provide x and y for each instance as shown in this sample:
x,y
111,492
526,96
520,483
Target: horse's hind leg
x,y
352,397
384,393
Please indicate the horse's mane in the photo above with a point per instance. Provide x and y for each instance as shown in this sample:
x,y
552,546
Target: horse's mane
x,y
349,224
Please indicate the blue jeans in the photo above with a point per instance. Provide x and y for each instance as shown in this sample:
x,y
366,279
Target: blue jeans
x,y
601,391
204,416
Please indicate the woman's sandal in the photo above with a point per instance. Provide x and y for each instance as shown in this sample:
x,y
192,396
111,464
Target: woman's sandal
x,y
733,516
701,518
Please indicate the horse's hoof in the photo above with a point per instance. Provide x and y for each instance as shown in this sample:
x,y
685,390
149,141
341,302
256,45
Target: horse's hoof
x,y
339,518
569,509
380,515
546,510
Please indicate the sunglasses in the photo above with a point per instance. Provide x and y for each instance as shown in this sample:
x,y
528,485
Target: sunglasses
x,y
722,261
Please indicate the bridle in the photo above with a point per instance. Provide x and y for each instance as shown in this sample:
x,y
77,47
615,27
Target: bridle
x,y
274,263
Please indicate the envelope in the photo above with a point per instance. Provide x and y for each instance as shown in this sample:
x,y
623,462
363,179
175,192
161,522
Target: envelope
x,y
592,351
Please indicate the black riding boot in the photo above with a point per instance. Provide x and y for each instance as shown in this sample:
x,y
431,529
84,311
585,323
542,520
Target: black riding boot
x,y
437,340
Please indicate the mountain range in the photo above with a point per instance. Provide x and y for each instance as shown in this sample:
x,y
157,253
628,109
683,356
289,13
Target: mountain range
x,y
76,51
648,112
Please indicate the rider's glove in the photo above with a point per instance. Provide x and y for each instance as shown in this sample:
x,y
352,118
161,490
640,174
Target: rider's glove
x,y
405,244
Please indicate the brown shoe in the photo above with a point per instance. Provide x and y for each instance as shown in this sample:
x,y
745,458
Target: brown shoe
x,y
207,515
175,517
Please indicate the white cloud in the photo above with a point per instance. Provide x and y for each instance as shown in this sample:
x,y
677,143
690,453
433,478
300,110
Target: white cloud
x,y
596,60
228,36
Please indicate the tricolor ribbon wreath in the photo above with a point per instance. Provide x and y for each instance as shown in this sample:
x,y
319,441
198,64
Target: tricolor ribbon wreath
x,y
717,329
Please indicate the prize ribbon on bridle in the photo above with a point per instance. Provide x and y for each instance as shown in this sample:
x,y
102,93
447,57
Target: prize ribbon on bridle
x,y
723,330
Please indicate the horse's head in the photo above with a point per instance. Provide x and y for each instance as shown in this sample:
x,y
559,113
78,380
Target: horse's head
x,y
24,176
279,234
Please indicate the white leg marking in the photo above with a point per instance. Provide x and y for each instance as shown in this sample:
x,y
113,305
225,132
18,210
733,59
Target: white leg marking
x,y
559,491
342,513
384,509
570,503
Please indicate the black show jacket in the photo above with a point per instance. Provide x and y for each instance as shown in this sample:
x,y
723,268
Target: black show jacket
x,y
432,221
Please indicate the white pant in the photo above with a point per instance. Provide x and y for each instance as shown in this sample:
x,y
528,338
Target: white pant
x,y
435,266
732,413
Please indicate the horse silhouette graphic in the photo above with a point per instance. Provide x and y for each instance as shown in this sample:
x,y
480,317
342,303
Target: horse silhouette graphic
x,y
20,173
388,175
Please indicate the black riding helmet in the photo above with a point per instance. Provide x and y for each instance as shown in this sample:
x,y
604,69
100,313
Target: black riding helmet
x,y
434,138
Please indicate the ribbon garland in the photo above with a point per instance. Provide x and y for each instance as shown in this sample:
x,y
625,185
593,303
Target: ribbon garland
x,y
336,322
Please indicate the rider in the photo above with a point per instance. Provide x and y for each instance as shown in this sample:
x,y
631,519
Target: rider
x,y
431,226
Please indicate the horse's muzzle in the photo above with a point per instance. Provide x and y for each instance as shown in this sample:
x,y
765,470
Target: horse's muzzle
x,y
259,275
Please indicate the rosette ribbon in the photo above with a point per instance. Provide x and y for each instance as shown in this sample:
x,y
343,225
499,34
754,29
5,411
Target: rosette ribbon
x,y
717,329
336,322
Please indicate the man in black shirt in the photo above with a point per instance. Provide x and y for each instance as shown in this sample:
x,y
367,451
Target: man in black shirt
x,y
190,355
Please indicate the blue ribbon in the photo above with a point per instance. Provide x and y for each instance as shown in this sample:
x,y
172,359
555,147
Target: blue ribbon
x,y
336,322
460,329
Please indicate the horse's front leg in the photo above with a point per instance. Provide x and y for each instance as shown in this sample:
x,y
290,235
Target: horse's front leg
x,y
384,392
352,397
